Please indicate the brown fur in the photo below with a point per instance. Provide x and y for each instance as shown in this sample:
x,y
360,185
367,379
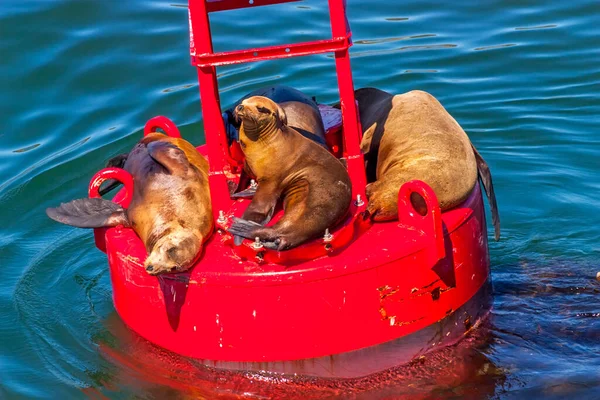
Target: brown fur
x,y
411,136
169,209
305,119
302,116
314,185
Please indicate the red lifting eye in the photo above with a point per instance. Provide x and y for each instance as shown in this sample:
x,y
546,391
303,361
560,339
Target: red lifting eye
x,y
418,206
163,123
123,197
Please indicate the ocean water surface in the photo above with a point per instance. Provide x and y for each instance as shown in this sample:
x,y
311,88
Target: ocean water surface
x,y
78,80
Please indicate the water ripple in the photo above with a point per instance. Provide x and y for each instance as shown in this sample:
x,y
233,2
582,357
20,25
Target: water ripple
x,y
80,79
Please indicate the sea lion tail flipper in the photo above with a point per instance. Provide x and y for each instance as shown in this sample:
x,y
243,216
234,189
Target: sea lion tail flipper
x,y
486,178
117,161
169,156
89,213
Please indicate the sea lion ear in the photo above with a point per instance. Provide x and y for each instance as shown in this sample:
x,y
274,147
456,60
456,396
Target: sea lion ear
x,y
280,115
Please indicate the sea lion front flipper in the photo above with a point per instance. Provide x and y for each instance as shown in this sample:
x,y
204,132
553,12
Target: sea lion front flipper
x,y
258,213
110,185
251,230
242,229
169,156
486,178
245,180
89,213
117,161
245,194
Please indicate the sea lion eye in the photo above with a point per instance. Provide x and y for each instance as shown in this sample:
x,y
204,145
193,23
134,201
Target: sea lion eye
x,y
263,110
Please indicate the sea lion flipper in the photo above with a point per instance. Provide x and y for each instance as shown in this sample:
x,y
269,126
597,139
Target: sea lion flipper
x,y
250,230
245,194
241,229
89,213
486,178
117,161
169,156
110,185
245,180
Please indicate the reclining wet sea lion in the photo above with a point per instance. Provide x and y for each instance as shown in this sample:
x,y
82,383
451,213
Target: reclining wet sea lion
x,y
412,136
314,185
170,209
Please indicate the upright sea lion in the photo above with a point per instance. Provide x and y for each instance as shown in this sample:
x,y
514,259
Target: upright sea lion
x,y
170,209
302,113
412,136
314,185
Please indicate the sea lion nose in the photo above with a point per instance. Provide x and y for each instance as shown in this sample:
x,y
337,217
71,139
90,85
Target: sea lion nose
x,y
150,268
239,108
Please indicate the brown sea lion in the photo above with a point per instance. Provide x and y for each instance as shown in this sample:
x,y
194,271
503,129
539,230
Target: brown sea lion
x,y
170,209
412,136
302,112
314,185
302,115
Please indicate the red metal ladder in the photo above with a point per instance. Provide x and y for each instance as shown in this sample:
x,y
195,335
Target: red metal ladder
x,y
206,61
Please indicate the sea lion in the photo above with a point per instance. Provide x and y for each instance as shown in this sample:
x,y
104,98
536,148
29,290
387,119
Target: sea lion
x,y
302,113
412,136
314,185
170,209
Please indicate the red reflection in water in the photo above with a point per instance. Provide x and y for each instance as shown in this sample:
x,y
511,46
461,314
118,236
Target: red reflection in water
x,y
147,371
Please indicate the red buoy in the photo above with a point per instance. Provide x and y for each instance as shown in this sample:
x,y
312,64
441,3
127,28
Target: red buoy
x,y
363,298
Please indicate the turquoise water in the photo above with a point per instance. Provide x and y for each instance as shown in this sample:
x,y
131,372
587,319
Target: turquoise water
x,y
79,80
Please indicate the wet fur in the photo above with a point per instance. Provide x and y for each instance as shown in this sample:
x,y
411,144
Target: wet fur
x,y
313,184
170,209
302,113
411,136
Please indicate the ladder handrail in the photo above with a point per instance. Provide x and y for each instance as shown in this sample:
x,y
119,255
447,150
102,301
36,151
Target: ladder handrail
x,y
224,5
204,58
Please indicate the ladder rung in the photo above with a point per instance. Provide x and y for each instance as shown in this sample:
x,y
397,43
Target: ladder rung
x,y
272,52
223,5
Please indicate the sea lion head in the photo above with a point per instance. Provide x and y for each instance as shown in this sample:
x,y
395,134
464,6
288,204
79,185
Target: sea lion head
x,y
258,114
173,252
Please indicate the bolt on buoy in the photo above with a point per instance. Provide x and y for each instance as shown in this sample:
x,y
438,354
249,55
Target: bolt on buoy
x,y
328,236
221,219
253,184
359,202
257,244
